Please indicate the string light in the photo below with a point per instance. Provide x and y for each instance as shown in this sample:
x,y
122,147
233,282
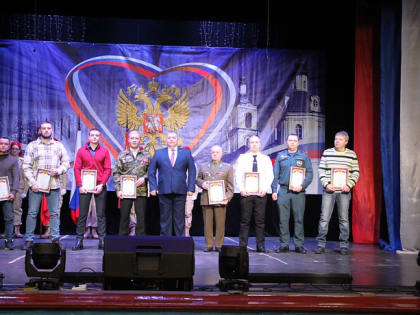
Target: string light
x,y
228,34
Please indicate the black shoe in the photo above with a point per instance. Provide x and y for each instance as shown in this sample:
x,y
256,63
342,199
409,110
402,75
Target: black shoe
x,y
9,244
320,250
218,249
208,249
261,249
56,240
28,245
78,245
284,249
344,251
101,244
301,250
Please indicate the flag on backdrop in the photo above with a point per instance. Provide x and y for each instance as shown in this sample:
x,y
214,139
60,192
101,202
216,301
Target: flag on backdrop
x,y
74,195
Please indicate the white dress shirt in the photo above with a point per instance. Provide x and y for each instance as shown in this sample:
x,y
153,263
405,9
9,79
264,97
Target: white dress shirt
x,y
170,153
265,170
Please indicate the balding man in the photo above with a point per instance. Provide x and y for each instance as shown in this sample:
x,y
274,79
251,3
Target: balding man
x,y
172,164
215,170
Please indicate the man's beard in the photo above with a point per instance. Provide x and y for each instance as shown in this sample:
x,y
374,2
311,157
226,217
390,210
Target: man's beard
x,y
49,137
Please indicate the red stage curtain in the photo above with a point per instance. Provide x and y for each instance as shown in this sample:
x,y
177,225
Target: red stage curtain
x,y
367,195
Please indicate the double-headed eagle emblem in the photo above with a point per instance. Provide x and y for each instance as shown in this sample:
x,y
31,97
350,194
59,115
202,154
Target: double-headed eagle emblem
x,y
152,120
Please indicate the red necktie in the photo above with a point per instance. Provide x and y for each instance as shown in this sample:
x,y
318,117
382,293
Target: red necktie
x,y
173,158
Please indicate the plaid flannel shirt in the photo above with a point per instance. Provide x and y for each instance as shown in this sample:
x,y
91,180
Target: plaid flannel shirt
x,y
51,155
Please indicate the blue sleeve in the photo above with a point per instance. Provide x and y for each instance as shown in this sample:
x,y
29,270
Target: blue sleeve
x,y
276,175
151,173
309,172
192,173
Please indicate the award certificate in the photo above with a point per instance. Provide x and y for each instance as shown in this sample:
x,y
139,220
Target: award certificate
x,y
216,191
252,182
43,180
128,186
4,188
339,177
297,175
89,180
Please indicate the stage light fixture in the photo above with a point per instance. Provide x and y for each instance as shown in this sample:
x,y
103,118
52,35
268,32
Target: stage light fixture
x,y
233,262
234,271
46,261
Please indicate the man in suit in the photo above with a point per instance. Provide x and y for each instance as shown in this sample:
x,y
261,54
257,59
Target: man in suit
x,y
215,170
172,164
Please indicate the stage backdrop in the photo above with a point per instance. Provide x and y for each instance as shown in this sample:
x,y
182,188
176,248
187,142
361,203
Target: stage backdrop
x,y
207,95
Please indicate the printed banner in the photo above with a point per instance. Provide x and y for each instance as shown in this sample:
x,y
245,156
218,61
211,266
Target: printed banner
x,y
206,95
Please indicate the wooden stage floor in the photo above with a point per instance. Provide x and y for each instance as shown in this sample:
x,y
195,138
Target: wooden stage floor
x,y
383,282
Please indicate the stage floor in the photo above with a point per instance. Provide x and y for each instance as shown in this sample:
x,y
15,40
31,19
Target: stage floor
x,y
383,282
368,265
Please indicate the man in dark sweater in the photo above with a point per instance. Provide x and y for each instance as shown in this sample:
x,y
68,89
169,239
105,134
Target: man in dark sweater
x,y
9,185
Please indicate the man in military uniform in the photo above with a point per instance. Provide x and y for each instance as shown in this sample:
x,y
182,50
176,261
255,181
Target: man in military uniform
x,y
291,197
133,161
215,170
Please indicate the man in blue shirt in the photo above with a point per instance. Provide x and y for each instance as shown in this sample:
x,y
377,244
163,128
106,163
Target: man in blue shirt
x,y
291,195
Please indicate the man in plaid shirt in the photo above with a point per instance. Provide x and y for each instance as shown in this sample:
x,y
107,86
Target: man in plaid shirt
x,y
44,153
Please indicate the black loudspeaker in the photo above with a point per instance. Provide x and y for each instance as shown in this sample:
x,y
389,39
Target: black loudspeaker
x,y
148,263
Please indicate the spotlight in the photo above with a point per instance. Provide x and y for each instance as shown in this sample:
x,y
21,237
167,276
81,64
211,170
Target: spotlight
x,y
234,269
233,262
46,261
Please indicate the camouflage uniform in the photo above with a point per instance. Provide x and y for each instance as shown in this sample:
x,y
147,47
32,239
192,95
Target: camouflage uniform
x,y
138,166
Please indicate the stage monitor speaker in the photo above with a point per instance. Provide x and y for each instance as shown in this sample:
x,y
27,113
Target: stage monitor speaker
x,y
148,262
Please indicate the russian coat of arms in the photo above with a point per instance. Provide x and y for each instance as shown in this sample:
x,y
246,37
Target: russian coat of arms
x,y
152,119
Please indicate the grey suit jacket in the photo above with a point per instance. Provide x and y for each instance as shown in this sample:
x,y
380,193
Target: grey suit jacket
x,y
223,172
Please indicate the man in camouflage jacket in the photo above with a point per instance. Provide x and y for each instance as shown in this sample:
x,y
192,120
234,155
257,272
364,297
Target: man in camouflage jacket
x,y
132,161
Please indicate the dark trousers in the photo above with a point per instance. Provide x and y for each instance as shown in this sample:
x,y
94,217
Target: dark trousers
x,y
172,212
125,210
252,205
84,203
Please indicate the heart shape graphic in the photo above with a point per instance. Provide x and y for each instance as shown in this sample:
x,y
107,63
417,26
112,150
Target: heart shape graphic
x,y
151,71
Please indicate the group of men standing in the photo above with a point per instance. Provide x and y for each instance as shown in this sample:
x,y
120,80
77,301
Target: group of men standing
x,y
171,176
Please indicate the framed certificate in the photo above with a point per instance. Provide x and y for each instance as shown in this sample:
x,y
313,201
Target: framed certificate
x,y
89,180
43,180
252,182
128,186
4,188
216,191
297,175
339,177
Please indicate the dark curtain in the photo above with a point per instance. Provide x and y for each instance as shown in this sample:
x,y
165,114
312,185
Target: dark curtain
x,y
390,118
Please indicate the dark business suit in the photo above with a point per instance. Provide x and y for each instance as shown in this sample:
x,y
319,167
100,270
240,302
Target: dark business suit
x,y
172,188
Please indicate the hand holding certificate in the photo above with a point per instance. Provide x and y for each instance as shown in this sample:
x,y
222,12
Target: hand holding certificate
x,y
297,176
216,191
4,188
252,183
43,180
128,186
89,180
339,178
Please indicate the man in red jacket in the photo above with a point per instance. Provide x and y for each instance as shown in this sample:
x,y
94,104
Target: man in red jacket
x,y
92,156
